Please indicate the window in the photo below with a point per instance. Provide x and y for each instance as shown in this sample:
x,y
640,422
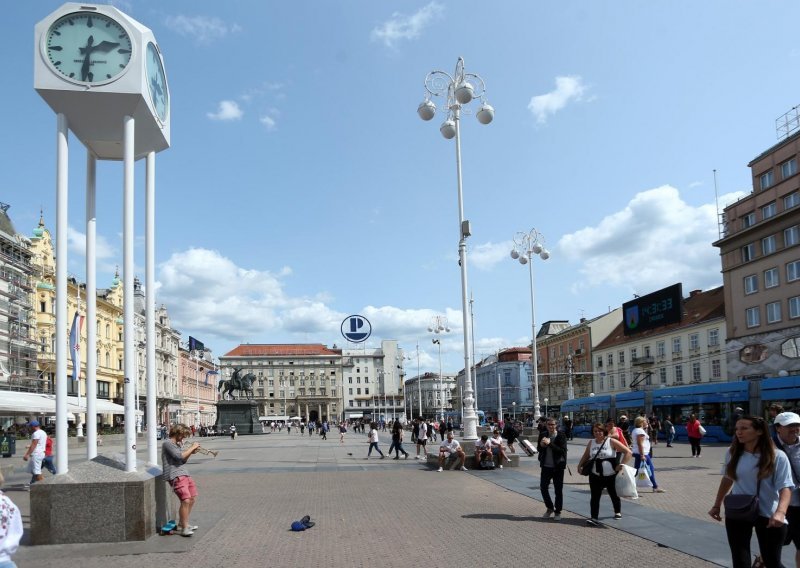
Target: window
x,y
43,306
791,236
622,379
753,317
768,245
676,344
662,375
792,270
791,200
678,373
621,357
599,361
358,391
788,168
766,179
661,349
771,278
713,337
716,369
611,382
773,312
748,252
696,372
749,219
694,341
610,358
634,353
647,351
366,391
794,307
768,211
750,284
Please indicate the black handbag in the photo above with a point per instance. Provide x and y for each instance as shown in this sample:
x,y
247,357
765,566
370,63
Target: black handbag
x,y
590,465
742,507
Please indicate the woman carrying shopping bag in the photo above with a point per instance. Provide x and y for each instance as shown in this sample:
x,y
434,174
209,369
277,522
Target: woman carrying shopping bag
x,y
641,453
759,478
694,431
600,456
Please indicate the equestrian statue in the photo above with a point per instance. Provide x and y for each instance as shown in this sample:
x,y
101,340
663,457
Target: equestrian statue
x,y
237,382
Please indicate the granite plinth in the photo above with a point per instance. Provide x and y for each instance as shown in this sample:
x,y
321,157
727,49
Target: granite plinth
x,y
97,501
243,413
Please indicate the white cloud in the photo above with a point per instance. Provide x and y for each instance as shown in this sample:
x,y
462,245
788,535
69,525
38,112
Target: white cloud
x,y
402,27
203,29
485,256
268,122
76,243
656,240
568,89
227,110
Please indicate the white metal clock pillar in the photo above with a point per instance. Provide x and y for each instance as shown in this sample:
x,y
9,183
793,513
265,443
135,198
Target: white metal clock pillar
x,y
458,90
62,195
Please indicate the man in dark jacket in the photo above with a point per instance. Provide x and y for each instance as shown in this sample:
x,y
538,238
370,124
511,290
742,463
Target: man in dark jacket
x,y
552,448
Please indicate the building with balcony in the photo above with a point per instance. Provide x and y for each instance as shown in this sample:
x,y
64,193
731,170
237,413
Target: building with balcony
x,y
292,380
18,368
688,351
430,395
503,383
761,267
198,388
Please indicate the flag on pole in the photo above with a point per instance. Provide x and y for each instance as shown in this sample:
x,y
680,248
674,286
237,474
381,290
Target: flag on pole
x,y
210,373
195,345
75,344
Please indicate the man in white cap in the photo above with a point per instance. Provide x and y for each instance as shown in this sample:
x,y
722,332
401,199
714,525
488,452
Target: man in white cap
x,y
787,426
36,450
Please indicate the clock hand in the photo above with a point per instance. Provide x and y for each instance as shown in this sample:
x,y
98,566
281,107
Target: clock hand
x,y
105,46
86,58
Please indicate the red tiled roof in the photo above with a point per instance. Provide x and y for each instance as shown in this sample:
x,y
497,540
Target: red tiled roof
x,y
285,349
702,306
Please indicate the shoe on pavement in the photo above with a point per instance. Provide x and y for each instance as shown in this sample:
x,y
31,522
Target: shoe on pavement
x,y
617,515
548,513
440,469
593,522
383,457
186,532
396,458
463,468
190,527
658,490
508,460
405,457
501,466
557,517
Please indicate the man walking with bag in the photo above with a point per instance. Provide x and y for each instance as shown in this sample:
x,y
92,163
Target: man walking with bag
x,y
552,447
787,426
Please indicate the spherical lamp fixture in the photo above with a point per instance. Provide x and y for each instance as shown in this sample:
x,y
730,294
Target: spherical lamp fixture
x,y
536,248
426,109
448,129
545,254
523,259
464,93
485,113
514,254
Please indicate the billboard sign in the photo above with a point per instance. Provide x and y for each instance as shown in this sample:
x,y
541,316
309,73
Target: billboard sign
x,y
653,310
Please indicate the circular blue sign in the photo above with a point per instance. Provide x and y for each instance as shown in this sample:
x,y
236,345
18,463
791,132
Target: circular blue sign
x,y
356,328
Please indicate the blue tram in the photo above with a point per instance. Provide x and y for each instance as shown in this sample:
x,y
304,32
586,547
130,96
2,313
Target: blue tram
x,y
714,404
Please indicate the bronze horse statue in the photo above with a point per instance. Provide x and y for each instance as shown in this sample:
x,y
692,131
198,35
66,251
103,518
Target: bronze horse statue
x,y
244,384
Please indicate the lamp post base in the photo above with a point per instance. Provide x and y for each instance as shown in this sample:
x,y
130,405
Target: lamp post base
x,y
470,419
537,411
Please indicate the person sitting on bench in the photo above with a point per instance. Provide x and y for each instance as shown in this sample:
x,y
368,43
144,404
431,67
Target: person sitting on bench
x,y
497,444
450,448
483,450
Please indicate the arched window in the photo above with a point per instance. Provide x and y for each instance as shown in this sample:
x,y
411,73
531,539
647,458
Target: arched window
x,y
108,358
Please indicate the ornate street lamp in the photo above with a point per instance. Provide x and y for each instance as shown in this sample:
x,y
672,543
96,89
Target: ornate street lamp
x,y
458,90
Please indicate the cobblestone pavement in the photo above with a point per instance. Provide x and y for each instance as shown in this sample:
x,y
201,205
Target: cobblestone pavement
x,y
382,513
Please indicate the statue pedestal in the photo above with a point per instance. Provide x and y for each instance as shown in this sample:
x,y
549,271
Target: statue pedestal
x,y
243,413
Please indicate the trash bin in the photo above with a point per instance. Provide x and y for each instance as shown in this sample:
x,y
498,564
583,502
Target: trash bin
x,y
8,445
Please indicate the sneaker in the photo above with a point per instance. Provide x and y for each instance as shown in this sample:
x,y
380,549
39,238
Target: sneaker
x,y
557,517
658,490
190,527
405,457
26,487
508,460
617,515
548,513
593,522
501,466
383,457
463,468
186,532
440,469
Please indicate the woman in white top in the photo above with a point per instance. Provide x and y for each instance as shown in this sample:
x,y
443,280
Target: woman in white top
x,y
752,457
640,441
603,450
373,440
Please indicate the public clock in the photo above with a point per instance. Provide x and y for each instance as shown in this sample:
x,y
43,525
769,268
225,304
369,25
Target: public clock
x,y
157,82
87,48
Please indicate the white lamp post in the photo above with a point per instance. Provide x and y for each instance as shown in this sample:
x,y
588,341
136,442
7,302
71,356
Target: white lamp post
x,y
526,245
545,406
438,343
514,409
439,325
459,89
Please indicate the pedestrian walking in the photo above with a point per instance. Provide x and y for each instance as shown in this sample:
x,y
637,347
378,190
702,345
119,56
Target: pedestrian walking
x,y
669,430
342,432
553,461
422,439
324,430
641,450
694,432
373,440
233,431
35,451
787,425
754,468
397,441
567,423
602,451
173,459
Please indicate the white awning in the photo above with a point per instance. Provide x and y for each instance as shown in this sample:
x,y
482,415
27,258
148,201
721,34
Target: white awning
x,y
34,403
352,415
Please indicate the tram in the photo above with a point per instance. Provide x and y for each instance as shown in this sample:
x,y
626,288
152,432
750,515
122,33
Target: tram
x,y
713,403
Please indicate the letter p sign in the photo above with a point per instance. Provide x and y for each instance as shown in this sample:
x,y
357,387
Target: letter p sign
x,y
356,329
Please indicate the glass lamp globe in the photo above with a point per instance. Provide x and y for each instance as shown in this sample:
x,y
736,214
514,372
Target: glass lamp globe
x,y
464,93
426,109
485,113
544,255
523,260
536,248
448,129
514,254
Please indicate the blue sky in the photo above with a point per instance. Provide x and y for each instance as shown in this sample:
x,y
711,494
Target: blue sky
x,y
301,187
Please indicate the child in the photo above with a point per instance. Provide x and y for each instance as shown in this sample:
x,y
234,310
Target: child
x,y
10,529
173,458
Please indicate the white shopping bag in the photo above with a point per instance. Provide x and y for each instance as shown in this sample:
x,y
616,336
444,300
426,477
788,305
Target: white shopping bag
x,y
643,476
626,482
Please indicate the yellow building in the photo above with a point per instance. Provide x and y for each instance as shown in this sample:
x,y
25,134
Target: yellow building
x,y
110,372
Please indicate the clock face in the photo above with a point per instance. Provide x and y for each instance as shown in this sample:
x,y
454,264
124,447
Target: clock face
x,y
157,82
87,48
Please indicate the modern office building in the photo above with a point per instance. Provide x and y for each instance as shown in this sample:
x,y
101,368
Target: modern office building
x,y
430,395
373,382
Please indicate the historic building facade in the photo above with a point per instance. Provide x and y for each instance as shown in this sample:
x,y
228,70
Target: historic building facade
x,y
430,395
373,381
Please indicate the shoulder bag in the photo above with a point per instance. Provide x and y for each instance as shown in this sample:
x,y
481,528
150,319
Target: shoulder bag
x,y
589,466
742,507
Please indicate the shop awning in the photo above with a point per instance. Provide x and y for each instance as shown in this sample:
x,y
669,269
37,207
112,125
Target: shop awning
x,y
14,402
